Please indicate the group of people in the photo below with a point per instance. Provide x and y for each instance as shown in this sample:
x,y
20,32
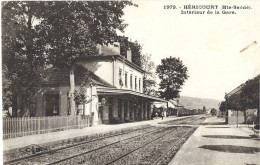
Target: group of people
x,y
158,112
155,114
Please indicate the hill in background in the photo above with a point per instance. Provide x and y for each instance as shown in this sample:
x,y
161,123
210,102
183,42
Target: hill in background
x,y
198,103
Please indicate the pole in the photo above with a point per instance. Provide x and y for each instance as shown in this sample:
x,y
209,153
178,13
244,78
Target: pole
x,y
237,118
167,110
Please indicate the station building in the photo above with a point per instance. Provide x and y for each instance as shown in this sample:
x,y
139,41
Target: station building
x,y
114,90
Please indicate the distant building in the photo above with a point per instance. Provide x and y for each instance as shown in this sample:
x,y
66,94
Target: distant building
x,y
242,117
237,90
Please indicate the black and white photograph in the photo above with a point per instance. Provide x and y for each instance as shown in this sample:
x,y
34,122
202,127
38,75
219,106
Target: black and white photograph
x,y
159,82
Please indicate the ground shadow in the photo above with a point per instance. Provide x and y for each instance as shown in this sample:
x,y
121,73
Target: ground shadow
x,y
231,148
254,136
215,123
226,137
231,137
217,127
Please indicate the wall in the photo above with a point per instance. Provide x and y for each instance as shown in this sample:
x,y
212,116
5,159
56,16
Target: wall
x,y
129,70
250,115
103,69
64,102
232,117
40,99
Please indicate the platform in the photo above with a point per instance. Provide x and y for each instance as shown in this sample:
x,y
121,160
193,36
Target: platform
x,y
215,143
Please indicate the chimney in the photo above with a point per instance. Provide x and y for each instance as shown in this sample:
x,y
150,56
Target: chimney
x,y
129,55
99,49
116,47
177,102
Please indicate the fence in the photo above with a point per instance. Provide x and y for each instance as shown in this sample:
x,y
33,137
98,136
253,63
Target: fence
x,y
23,126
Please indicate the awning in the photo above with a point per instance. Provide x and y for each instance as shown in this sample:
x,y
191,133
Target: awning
x,y
114,91
164,105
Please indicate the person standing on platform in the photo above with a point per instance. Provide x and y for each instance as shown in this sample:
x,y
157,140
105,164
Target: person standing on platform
x,y
162,115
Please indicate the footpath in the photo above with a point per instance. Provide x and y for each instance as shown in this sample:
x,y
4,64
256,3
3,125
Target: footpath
x,y
215,143
57,137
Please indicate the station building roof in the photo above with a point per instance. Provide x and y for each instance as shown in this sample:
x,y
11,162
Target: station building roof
x,y
60,77
237,90
113,91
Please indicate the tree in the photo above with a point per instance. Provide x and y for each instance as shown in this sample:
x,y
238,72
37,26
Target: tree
x,y
135,48
80,96
72,30
234,102
149,76
22,51
213,112
6,92
172,74
250,95
59,32
223,109
222,106
204,109
247,97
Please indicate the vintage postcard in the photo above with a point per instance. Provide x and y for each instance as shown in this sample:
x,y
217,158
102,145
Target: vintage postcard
x,y
130,82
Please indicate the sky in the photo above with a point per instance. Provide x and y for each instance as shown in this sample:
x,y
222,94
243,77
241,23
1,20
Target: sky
x,y
209,45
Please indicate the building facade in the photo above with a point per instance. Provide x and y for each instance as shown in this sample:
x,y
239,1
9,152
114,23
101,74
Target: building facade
x,y
113,94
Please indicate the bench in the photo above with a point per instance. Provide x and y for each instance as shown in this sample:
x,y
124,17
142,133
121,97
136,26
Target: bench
x,y
256,131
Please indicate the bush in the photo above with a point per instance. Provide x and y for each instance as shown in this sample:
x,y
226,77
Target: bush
x,y
251,118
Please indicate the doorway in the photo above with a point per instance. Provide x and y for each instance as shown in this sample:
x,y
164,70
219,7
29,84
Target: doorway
x,y
120,108
51,104
125,109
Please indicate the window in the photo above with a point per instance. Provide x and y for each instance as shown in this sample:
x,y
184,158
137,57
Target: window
x,y
120,72
135,83
126,79
131,81
120,77
139,84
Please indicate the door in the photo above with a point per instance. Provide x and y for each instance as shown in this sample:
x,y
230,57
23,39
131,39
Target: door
x,y
120,108
131,110
52,105
110,110
125,109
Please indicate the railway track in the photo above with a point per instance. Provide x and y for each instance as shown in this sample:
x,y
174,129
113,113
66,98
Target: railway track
x,y
167,155
117,157
49,152
126,142
119,148
115,161
166,149
156,149
194,120
122,156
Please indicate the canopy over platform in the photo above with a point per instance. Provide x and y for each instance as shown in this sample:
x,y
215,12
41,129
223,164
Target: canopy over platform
x,y
114,91
164,105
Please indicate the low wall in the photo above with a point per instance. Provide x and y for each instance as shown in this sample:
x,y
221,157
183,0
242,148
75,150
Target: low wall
x,y
250,117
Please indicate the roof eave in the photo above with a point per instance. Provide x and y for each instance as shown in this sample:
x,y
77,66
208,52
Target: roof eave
x,y
113,57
